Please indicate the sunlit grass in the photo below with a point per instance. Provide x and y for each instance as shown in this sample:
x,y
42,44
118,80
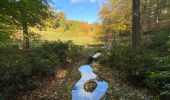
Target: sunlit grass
x,y
78,38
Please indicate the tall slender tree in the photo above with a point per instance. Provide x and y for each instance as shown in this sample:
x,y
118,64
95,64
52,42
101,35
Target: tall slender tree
x,y
136,34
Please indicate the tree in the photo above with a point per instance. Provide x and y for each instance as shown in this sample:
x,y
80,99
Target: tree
x,y
84,27
25,13
60,20
72,25
6,24
116,20
6,28
136,34
30,13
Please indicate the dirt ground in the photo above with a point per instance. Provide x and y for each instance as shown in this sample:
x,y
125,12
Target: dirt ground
x,y
120,89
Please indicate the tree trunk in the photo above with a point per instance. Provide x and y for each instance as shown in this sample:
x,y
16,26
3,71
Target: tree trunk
x,y
136,34
148,19
25,36
158,11
148,14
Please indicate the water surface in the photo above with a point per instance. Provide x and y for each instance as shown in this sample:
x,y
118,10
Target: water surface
x,y
79,93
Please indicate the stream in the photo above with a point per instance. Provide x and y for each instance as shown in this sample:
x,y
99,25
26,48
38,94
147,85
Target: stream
x,y
79,93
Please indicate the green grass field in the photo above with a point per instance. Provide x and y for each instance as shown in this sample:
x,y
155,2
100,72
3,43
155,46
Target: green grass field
x,y
78,38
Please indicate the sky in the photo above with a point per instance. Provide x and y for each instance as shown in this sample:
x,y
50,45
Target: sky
x,y
83,10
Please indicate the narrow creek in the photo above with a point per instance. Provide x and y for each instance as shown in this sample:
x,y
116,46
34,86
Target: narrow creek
x,y
79,92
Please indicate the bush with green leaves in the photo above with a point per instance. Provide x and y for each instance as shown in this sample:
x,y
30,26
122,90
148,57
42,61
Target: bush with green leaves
x,y
159,41
52,55
143,68
44,64
15,74
60,49
63,50
159,78
75,51
18,67
136,64
149,65
6,46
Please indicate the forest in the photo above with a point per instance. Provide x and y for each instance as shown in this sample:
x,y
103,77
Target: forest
x,y
123,55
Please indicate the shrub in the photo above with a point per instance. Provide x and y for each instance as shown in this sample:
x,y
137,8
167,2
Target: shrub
x,y
62,50
159,79
59,48
6,46
44,64
75,51
159,42
136,64
149,65
15,72
17,68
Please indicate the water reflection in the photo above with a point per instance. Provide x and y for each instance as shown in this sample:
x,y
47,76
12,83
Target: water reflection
x,y
79,93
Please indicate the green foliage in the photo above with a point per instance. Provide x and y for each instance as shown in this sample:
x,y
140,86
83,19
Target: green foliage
x,y
15,74
51,56
135,63
6,46
44,64
25,11
5,33
72,25
34,36
17,68
149,65
58,48
74,51
6,28
159,42
159,79
60,20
